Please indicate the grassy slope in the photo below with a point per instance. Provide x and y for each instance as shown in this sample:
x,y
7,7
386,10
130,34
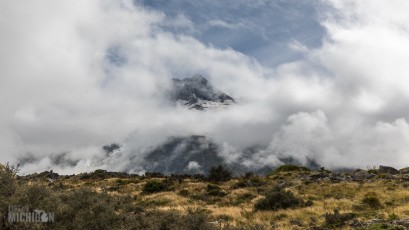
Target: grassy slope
x,y
237,206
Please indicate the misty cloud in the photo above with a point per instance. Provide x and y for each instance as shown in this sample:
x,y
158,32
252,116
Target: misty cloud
x,y
75,76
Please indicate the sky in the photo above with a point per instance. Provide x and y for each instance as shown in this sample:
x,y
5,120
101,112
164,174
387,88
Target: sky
x,y
323,79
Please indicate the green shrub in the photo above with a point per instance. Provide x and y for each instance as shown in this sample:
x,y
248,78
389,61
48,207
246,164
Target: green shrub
x,y
214,190
154,186
276,199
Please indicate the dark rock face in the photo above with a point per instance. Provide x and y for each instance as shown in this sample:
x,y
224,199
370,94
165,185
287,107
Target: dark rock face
x,y
387,170
109,149
183,155
197,90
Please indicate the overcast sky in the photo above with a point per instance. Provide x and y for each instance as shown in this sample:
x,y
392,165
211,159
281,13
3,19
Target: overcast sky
x,y
322,79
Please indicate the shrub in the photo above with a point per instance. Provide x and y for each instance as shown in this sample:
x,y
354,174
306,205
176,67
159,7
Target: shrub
x,y
243,198
373,171
7,180
87,209
290,168
8,186
154,186
214,190
184,192
249,182
276,199
337,219
219,174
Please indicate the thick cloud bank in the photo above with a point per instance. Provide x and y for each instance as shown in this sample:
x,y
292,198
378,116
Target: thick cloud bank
x,y
75,75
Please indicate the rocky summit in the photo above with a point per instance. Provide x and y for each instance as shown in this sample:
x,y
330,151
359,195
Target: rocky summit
x,y
198,93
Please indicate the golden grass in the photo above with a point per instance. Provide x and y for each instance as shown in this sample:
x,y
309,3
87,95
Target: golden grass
x,y
326,196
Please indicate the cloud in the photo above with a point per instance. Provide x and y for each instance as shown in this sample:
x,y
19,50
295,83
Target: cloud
x,y
76,76
227,25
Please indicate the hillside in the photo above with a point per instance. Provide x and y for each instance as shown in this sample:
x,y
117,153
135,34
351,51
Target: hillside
x,y
291,197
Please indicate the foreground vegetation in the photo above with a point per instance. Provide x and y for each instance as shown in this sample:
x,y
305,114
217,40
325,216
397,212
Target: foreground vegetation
x,y
290,197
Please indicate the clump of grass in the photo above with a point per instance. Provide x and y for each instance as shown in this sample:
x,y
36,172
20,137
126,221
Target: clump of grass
x,y
371,200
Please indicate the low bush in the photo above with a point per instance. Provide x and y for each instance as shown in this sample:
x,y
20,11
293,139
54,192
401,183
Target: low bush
x,y
214,190
337,219
277,199
244,198
184,192
249,182
289,168
371,200
154,186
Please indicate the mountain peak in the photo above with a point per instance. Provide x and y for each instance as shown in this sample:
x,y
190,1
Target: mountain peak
x,y
198,93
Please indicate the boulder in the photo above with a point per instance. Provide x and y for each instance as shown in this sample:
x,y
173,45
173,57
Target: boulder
x,y
387,170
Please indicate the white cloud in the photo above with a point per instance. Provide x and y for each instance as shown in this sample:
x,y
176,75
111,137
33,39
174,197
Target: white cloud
x,y
75,76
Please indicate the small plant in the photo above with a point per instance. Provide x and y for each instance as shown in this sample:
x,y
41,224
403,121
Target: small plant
x,y
392,216
276,199
373,170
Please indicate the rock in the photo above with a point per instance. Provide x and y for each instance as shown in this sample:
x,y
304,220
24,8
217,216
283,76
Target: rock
x,y
374,221
336,179
318,175
401,222
362,175
387,170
